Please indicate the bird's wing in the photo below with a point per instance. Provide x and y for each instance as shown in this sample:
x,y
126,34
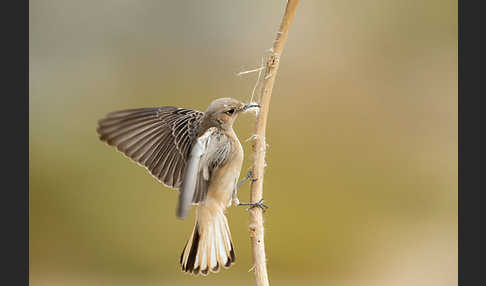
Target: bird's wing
x,y
160,139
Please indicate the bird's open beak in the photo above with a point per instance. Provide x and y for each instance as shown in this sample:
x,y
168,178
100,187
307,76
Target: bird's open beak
x,y
250,106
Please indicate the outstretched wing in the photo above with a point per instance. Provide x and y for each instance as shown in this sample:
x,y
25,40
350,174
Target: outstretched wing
x,y
160,139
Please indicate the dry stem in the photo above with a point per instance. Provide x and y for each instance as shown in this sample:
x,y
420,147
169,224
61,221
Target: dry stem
x,y
259,146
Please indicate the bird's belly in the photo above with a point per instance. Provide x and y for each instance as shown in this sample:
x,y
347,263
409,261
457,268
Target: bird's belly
x,y
224,180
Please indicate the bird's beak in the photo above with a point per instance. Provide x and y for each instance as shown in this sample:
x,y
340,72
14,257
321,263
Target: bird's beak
x,y
250,106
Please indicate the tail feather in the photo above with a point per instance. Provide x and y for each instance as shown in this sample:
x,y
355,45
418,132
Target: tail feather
x,y
209,248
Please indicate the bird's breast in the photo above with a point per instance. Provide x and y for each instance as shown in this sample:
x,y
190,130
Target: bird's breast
x,y
224,179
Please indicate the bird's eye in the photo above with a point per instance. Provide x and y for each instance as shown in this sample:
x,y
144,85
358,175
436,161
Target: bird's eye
x,y
230,112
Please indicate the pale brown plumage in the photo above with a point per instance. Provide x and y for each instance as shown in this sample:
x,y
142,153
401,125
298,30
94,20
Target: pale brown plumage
x,y
163,140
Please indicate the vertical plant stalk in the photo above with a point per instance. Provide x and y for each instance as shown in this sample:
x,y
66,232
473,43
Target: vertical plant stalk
x,y
259,147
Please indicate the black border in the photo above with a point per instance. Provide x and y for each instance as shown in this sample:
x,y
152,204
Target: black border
x,y
460,166
471,66
14,23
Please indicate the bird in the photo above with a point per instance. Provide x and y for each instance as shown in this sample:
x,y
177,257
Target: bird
x,y
197,153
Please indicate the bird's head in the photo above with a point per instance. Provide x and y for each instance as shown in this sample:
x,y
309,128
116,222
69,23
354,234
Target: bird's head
x,y
222,112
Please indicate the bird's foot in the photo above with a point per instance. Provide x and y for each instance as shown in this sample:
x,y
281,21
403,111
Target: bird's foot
x,y
259,204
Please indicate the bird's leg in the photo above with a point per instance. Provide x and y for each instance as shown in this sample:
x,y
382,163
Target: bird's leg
x,y
249,175
235,199
259,204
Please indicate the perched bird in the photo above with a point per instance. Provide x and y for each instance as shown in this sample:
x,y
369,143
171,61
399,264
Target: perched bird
x,y
197,153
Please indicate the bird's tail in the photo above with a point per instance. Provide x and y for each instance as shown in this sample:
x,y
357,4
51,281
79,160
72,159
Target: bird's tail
x,y
210,246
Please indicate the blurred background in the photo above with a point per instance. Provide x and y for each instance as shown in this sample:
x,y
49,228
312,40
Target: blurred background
x,y
362,133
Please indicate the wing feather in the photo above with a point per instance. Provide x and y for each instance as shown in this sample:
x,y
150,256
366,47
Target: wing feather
x,y
159,139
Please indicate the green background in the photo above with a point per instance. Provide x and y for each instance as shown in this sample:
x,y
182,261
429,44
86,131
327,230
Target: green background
x,y
362,133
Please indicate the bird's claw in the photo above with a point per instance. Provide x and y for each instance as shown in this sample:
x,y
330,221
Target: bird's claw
x,y
249,175
259,204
